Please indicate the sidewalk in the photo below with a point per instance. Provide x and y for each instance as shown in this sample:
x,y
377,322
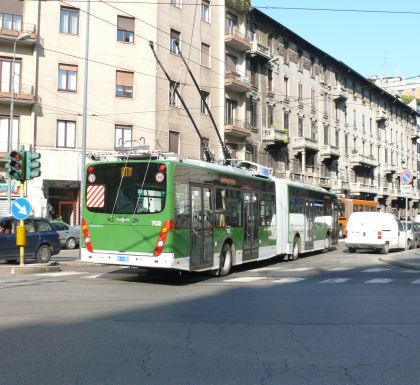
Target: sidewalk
x,y
409,259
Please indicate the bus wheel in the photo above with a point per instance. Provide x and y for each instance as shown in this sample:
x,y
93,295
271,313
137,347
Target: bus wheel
x,y
340,232
225,260
296,249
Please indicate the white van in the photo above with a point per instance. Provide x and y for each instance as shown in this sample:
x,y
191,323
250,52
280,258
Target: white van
x,y
377,231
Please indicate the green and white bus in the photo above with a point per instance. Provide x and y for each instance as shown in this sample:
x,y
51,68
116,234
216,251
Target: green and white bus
x,y
191,215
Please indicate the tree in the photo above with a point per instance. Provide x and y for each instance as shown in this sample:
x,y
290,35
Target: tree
x,y
407,99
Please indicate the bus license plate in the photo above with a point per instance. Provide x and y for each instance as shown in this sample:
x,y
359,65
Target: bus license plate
x,y
121,258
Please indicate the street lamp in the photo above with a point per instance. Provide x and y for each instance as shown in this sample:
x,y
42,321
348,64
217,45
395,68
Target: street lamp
x,y
22,36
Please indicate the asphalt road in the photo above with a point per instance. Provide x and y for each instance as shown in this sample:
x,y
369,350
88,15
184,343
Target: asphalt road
x,y
333,318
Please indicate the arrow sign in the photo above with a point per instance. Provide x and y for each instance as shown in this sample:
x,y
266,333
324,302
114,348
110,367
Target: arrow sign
x,y
21,208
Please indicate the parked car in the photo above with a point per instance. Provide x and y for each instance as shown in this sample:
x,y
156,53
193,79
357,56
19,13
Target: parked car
x,y
69,236
42,241
413,234
376,231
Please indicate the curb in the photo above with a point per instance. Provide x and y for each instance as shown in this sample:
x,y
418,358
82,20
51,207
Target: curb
x,y
30,269
406,265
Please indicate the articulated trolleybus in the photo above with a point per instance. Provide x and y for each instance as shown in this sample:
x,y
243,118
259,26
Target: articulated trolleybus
x,y
158,211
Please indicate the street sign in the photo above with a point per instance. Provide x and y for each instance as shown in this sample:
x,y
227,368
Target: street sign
x,y
406,190
406,177
21,208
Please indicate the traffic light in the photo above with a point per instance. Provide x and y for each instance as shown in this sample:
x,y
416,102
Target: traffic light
x,y
16,165
33,166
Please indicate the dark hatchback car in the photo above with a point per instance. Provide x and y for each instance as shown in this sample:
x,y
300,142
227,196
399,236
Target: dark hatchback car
x,y
41,240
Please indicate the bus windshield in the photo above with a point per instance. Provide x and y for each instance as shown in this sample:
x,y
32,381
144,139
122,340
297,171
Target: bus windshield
x,y
132,188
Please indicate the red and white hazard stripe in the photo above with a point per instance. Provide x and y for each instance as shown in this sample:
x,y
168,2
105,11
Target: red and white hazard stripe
x,y
95,196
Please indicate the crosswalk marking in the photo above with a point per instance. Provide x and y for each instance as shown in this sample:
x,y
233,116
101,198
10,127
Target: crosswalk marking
x,y
416,281
60,274
245,279
335,280
410,271
339,268
288,280
375,270
93,276
380,280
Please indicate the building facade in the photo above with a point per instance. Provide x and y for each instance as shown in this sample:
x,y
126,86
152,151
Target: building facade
x,y
275,98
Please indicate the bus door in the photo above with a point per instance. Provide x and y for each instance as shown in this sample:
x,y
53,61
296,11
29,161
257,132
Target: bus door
x,y
250,220
309,225
201,253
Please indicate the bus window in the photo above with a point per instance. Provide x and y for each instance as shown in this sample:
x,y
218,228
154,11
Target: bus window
x,y
233,208
182,206
267,210
220,208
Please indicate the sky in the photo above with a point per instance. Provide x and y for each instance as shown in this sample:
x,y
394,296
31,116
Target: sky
x,y
382,44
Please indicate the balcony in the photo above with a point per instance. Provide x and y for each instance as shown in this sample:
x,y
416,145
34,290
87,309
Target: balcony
x,y
25,96
338,185
10,34
300,144
383,192
388,168
414,133
239,5
237,128
362,160
357,188
260,50
236,82
237,40
275,135
339,94
381,116
328,151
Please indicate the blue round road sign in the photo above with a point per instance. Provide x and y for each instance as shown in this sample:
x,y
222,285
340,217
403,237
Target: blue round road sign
x,y
21,208
406,177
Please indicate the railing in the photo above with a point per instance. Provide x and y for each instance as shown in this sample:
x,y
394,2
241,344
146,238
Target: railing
x,y
363,159
17,29
261,49
305,143
275,134
328,150
230,75
235,32
24,92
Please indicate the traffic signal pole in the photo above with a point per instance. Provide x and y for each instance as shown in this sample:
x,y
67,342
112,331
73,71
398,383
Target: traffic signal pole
x,y
21,233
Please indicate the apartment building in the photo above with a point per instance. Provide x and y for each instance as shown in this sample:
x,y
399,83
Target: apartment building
x,y
316,120
130,102
276,99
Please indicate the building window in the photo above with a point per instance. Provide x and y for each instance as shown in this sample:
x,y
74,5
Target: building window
x,y
313,107
176,3
300,60
326,135
4,133
346,144
231,23
69,21
300,93
6,75
67,77
252,110
337,138
205,144
300,127
205,10
325,104
312,67
10,22
286,121
206,96
124,84
123,136
174,142
173,97
250,152
286,87
231,108
254,73
125,29
66,134
270,116
313,130
286,52
205,55
270,80
175,37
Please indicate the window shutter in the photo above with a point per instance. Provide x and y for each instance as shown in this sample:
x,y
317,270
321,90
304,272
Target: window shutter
x,y
126,23
125,78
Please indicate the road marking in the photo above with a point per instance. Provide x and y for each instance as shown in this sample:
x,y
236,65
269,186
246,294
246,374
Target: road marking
x,y
375,270
410,271
245,279
288,280
416,281
59,274
261,269
300,269
335,280
380,280
339,268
